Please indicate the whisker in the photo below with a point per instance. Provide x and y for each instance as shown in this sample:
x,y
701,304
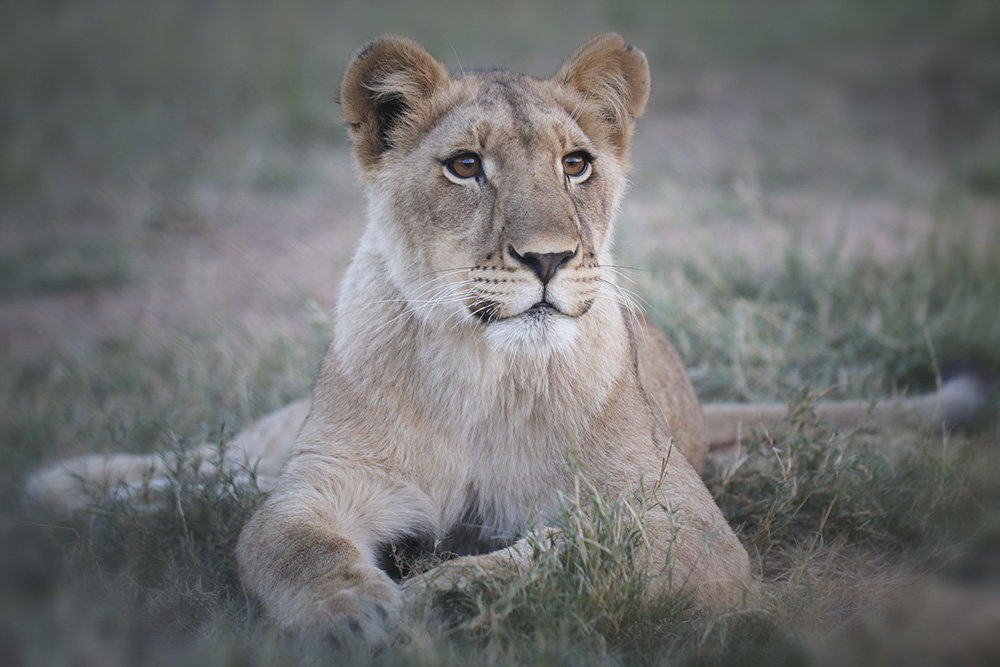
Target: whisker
x,y
432,296
483,308
442,295
405,313
625,298
621,270
427,284
624,291
438,272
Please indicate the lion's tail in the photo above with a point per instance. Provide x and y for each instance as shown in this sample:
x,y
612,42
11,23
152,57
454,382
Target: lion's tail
x,y
953,404
264,445
76,483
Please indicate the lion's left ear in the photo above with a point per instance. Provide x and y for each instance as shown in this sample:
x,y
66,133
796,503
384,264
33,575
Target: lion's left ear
x,y
613,78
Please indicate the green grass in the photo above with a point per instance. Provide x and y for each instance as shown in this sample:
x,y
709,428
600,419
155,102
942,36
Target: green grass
x,y
116,116
75,266
814,508
763,328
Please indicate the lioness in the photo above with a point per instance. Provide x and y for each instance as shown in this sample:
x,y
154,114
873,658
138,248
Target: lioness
x,y
481,344
479,340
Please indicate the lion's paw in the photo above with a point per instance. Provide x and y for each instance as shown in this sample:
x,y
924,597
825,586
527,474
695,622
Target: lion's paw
x,y
449,575
460,572
364,609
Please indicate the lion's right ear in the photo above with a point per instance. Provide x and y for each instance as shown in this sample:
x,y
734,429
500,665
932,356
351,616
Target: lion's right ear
x,y
387,83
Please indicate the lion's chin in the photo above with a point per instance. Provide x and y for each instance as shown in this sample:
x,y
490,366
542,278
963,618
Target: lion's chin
x,y
541,329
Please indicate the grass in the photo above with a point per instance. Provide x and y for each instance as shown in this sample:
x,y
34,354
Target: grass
x,y
86,265
743,325
115,118
818,509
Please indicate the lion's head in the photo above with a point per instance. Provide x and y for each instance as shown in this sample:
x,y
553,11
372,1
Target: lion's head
x,y
493,195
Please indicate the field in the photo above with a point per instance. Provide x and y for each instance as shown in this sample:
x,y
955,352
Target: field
x,y
814,212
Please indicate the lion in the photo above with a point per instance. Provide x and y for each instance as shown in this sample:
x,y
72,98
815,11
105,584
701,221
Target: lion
x,y
484,358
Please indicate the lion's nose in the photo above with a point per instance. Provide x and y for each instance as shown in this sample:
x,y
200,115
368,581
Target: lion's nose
x,y
543,264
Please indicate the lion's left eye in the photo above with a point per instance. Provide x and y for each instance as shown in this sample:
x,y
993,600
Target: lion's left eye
x,y
465,165
575,163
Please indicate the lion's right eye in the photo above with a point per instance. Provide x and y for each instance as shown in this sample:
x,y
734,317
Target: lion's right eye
x,y
465,165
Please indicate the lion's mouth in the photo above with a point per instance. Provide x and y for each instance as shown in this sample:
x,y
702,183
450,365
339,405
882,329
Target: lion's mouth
x,y
489,312
541,308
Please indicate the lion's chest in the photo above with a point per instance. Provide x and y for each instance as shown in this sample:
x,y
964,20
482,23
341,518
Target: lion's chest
x,y
496,483
504,435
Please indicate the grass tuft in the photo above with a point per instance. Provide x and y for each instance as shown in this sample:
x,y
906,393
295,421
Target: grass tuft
x,y
588,582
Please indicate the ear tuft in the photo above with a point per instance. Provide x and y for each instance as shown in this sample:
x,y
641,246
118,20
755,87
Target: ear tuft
x,y
386,82
613,78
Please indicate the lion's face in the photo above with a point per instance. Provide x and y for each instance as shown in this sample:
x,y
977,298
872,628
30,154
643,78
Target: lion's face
x,y
492,194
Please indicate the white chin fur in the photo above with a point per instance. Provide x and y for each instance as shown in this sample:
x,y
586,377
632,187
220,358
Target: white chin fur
x,y
532,334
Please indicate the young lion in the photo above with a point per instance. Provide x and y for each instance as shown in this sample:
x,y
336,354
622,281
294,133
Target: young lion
x,y
479,341
481,345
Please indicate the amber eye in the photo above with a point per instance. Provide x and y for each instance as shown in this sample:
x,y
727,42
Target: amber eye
x,y
575,164
465,165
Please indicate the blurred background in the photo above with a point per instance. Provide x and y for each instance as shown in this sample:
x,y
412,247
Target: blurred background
x,y
151,151
815,203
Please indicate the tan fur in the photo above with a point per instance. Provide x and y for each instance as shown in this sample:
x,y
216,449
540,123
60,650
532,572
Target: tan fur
x,y
450,403
954,403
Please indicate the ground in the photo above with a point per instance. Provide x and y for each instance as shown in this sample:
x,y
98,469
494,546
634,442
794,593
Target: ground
x,y
813,211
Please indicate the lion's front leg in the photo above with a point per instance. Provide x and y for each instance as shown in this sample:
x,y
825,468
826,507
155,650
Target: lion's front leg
x,y
688,547
309,552
310,577
458,572
693,551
